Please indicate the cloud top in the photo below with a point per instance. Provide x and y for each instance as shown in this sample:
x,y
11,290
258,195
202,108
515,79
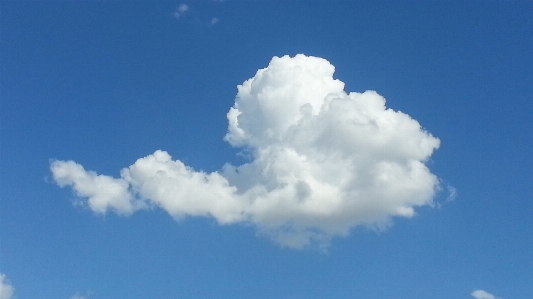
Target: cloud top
x,y
323,161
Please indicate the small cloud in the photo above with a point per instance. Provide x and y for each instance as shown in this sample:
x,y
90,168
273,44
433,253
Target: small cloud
x,y
181,10
481,294
79,296
6,289
214,21
452,193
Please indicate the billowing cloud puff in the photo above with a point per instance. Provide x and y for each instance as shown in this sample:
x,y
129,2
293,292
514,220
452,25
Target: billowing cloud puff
x,y
481,294
323,161
6,289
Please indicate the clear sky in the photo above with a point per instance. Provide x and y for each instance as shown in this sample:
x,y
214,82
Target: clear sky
x,y
371,149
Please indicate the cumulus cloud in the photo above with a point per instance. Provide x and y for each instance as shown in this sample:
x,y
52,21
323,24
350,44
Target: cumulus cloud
x,y
6,289
481,294
323,161
103,192
181,10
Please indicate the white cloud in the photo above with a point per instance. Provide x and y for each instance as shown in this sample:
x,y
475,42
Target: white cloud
x,y
103,192
6,289
181,10
323,162
481,294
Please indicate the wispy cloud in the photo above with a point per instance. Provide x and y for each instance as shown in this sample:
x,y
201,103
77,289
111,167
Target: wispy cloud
x,y
481,294
6,289
181,10
214,21
452,193
323,162
194,17
85,295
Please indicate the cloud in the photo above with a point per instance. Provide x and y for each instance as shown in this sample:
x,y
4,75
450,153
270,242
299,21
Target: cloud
x,y
78,296
193,17
481,294
323,161
6,289
214,21
103,192
181,10
452,193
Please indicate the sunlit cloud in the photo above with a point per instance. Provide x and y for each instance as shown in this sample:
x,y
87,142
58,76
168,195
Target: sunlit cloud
x,y
323,161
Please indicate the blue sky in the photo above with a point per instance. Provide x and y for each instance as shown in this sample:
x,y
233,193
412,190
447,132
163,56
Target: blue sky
x,y
349,200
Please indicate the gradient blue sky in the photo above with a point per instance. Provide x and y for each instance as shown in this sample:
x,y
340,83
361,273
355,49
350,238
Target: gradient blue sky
x,y
105,83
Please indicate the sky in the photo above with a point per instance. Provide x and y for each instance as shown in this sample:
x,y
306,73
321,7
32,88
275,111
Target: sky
x,y
266,149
